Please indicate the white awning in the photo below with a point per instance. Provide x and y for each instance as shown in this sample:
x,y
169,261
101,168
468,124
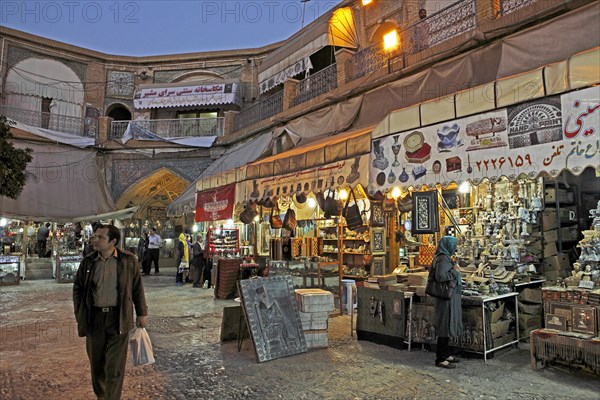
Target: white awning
x,y
334,28
121,214
163,96
234,157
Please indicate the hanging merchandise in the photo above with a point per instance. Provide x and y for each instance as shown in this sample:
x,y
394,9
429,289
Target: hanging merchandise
x,y
352,213
289,221
247,216
275,218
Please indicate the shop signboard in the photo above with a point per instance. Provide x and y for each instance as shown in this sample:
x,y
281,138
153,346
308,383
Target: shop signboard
x,y
215,204
195,95
545,135
340,174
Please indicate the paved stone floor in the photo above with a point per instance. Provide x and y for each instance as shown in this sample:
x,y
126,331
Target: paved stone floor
x,y
41,357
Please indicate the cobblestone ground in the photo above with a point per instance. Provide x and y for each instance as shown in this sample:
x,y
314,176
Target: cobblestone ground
x,y
41,357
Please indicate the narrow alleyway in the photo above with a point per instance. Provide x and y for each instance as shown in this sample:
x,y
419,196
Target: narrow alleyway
x,y
41,357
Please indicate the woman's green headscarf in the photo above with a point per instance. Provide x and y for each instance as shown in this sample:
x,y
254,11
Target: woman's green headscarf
x,y
447,246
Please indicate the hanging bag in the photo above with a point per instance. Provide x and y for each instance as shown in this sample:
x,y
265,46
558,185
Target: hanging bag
x,y
247,216
275,218
332,206
439,290
289,221
352,213
141,347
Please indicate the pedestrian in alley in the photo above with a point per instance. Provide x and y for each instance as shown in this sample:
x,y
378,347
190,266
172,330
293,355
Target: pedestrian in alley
x,y
107,287
154,242
142,253
42,239
198,259
183,259
448,313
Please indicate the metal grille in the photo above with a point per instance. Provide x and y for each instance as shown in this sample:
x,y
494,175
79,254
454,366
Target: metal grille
x,y
368,60
508,6
86,127
319,83
265,108
452,21
172,127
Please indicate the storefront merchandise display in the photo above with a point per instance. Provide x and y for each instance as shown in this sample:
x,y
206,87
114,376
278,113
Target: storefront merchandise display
x,y
9,270
66,267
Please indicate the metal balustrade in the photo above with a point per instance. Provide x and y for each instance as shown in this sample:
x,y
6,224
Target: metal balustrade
x,y
167,128
368,60
314,85
452,21
86,127
508,6
445,24
265,108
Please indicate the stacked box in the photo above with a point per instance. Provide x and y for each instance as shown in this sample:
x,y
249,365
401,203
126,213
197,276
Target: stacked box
x,y
314,306
530,311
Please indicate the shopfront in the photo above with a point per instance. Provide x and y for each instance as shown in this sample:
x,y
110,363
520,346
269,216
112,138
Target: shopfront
x,y
516,185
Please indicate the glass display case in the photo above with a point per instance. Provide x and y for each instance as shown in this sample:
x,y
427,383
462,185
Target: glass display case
x,y
66,267
9,270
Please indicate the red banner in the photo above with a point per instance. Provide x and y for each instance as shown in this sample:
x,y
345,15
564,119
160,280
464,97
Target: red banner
x,y
215,204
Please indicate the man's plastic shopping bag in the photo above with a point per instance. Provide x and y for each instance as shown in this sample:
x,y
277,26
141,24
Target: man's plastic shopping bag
x,y
141,347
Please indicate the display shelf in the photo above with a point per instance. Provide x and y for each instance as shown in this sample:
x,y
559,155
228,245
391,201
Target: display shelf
x,y
66,267
9,270
227,241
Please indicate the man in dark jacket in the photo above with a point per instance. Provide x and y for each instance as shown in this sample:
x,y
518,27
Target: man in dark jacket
x,y
107,286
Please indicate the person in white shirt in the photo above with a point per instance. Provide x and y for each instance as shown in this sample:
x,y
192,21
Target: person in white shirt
x,y
154,242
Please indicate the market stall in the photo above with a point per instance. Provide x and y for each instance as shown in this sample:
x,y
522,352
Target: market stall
x,y
511,183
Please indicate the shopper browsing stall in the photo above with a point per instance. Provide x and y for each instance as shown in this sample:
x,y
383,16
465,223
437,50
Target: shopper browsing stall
x,y
448,313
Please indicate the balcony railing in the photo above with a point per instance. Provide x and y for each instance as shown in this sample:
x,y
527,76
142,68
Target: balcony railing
x,y
445,24
86,127
508,6
168,128
368,60
314,85
265,108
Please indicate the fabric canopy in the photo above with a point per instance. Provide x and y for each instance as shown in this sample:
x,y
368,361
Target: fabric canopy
x,y
63,183
234,157
55,136
334,28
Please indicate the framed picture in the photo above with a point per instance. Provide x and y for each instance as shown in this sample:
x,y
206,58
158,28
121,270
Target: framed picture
x,y
377,214
562,310
378,266
584,319
377,241
425,217
557,322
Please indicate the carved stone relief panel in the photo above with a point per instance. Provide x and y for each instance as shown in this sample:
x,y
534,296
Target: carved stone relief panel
x,y
120,84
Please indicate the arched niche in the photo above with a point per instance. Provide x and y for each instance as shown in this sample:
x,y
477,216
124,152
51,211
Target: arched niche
x,y
157,190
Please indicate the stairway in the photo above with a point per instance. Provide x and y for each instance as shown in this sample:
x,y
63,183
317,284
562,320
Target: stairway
x,y
38,268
